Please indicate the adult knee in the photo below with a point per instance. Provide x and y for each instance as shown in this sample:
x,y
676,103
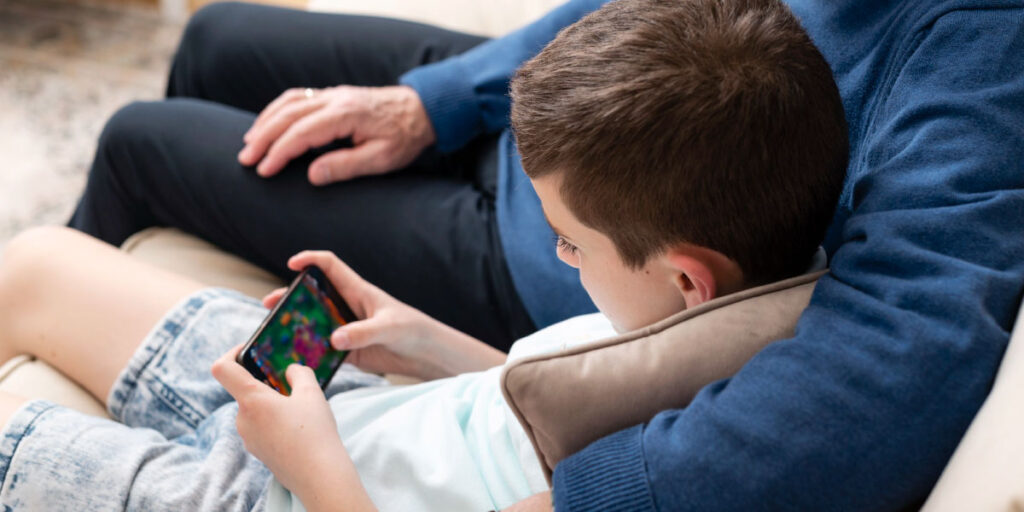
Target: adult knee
x,y
213,37
133,125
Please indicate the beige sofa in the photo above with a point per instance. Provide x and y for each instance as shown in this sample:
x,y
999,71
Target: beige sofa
x,y
986,472
192,257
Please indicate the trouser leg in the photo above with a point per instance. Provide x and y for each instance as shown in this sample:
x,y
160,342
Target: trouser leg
x,y
245,55
430,239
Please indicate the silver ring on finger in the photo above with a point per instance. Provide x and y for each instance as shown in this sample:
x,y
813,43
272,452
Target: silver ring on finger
x,y
308,93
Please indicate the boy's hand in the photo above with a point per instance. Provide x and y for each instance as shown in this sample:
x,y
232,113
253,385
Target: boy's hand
x,y
282,431
540,502
295,436
392,337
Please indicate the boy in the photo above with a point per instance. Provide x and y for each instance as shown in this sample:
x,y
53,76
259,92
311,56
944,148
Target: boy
x,y
681,150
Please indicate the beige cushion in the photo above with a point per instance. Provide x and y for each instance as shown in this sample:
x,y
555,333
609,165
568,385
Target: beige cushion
x,y
187,255
27,377
566,400
987,468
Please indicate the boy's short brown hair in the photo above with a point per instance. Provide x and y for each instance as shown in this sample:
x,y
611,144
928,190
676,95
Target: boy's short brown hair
x,y
710,122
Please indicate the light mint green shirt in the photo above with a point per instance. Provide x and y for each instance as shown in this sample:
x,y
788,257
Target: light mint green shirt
x,y
446,445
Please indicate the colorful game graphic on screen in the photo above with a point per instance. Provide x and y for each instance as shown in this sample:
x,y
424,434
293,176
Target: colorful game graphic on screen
x,y
300,331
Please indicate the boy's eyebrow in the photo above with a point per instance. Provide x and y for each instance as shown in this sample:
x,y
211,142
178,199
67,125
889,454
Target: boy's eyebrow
x,y
552,225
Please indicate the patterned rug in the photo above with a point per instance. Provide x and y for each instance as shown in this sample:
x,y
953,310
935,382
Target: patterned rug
x,y
65,67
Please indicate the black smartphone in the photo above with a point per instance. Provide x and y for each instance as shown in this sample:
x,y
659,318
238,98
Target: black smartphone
x,y
298,330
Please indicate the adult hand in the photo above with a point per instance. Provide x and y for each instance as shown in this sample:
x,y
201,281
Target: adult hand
x,y
392,337
388,126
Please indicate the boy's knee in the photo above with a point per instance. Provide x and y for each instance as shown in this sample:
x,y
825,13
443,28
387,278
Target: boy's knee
x,y
23,264
27,254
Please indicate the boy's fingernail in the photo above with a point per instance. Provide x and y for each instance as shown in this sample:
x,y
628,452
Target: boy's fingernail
x,y
340,339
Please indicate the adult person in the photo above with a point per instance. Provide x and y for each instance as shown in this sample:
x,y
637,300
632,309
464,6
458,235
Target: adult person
x,y
898,348
457,232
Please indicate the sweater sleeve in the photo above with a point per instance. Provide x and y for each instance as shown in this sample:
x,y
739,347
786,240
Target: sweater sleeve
x,y
466,95
898,348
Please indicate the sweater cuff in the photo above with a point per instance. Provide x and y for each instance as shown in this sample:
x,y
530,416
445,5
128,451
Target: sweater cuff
x,y
610,474
448,96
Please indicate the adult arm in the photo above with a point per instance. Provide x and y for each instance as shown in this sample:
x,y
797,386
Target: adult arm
x,y
467,94
447,103
901,341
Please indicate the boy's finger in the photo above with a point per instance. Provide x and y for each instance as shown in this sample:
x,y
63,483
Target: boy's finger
x,y
301,378
271,299
356,335
351,286
230,374
340,274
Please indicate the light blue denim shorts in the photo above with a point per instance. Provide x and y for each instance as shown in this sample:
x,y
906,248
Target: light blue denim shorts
x,y
173,446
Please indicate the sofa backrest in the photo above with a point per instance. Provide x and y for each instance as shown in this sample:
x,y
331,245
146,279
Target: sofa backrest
x,y
986,471
491,18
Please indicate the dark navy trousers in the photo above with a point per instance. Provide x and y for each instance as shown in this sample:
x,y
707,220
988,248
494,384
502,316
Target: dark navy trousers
x,y
426,234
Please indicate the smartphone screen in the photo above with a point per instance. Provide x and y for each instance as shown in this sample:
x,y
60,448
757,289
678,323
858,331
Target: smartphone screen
x,y
298,330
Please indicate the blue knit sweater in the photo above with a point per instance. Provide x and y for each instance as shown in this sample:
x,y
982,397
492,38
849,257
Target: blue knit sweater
x,y
900,344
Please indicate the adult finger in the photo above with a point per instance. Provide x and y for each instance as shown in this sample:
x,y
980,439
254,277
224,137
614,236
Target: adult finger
x,y
282,99
301,378
371,157
266,133
270,299
314,130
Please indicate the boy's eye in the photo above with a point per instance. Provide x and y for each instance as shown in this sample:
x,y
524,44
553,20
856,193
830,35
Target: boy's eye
x,y
565,245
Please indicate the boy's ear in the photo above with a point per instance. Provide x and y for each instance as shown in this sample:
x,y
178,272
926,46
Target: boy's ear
x,y
701,274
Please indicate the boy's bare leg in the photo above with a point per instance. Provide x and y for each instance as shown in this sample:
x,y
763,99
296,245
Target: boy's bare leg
x,y
80,304
9,403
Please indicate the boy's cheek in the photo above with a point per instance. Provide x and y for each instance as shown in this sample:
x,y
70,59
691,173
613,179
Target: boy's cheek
x,y
571,259
603,295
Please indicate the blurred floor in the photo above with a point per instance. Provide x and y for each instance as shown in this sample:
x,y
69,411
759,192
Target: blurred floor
x,y
65,67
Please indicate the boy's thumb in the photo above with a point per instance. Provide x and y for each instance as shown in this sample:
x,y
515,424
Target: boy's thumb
x,y
353,336
300,376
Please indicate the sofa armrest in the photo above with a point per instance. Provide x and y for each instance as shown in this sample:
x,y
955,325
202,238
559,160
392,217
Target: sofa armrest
x,y
986,468
28,377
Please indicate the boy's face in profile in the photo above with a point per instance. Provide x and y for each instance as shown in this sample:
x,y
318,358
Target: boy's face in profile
x,y
629,298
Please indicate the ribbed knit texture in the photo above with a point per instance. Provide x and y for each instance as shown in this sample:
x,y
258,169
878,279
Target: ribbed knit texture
x,y
900,343
450,101
610,476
